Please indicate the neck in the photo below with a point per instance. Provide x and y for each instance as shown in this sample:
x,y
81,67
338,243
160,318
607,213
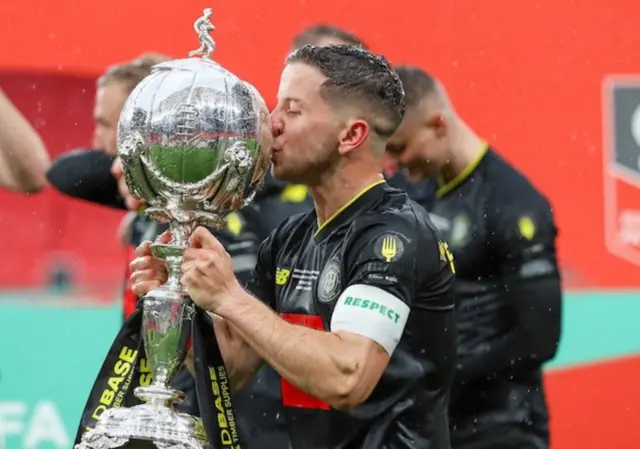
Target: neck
x,y
342,186
465,149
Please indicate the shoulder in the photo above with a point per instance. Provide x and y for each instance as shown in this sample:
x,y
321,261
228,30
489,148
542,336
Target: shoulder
x,y
521,194
516,211
289,229
294,223
396,229
396,212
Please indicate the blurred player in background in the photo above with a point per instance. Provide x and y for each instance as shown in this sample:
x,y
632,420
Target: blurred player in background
x,y
502,235
23,157
86,173
323,34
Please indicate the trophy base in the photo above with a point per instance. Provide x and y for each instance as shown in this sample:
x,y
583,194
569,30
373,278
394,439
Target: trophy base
x,y
145,426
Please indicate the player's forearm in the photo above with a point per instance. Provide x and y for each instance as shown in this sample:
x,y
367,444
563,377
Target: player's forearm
x,y
241,361
23,157
316,362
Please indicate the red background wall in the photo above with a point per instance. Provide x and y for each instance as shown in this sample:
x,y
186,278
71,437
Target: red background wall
x,y
527,75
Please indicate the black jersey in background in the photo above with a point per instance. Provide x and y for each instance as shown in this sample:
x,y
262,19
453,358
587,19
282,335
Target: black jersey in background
x,y
85,174
384,246
502,234
419,192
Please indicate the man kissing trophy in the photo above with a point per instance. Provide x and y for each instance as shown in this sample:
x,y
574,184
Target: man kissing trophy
x,y
194,141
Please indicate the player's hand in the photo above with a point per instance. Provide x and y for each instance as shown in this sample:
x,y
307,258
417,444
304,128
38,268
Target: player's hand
x,y
147,272
207,271
118,173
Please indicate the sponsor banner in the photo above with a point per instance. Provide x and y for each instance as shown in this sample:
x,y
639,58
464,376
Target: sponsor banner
x,y
621,106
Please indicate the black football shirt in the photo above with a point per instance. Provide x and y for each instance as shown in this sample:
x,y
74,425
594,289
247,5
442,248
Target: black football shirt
x,y
502,234
378,268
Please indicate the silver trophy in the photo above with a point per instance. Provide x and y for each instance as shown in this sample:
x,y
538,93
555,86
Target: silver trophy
x,y
194,141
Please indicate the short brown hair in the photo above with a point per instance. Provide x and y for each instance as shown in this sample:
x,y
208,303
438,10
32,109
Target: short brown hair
x,y
358,77
132,72
417,84
313,34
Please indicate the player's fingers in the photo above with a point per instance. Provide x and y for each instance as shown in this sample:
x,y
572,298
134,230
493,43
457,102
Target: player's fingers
x,y
187,265
192,254
141,288
189,279
202,238
147,274
189,254
206,265
144,249
197,254
160,267
141,263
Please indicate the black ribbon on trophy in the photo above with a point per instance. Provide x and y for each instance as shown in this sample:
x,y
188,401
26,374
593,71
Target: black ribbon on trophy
x,y
213,387
126,368
117,377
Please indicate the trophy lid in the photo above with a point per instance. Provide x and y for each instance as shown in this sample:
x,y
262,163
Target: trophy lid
x,y
202,26
194,138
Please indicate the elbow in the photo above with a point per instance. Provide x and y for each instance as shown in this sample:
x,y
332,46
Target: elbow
x,y
549,348
544,345
30,185
34,179
34,185
348,392
28,180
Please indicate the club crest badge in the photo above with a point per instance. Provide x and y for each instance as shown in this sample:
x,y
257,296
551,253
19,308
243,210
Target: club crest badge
x,y
330,282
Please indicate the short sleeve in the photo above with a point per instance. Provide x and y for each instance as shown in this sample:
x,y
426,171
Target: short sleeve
x,y
384,256
86,175
522,234
382,278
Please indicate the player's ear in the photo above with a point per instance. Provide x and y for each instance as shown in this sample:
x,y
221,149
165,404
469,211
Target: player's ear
x,y
352,136
438,123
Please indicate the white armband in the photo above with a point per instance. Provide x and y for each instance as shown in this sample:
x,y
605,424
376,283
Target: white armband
x,y
371,312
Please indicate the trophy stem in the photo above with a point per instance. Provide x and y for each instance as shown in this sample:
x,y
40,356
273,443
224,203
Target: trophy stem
x,y
167,313
180,232
174,270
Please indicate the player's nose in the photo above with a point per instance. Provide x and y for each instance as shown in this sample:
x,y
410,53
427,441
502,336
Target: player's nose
x,y
277,124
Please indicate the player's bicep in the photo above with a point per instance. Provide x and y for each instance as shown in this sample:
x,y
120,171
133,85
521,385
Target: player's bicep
x,y
373,313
